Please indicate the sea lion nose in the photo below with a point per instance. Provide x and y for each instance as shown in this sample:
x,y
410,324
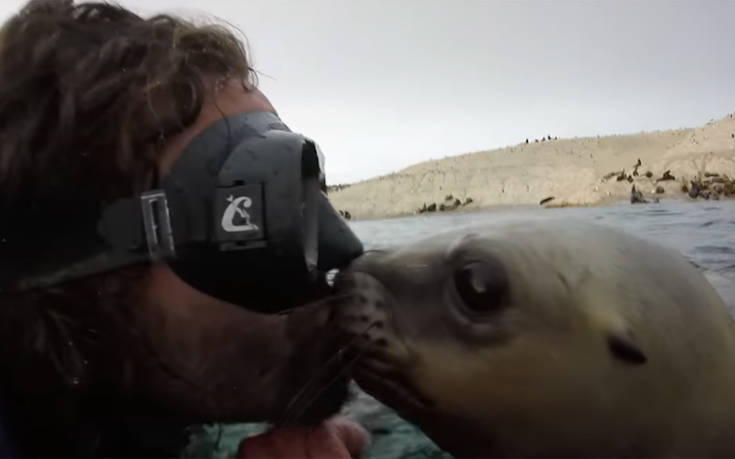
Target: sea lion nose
x,y
367,263
363,263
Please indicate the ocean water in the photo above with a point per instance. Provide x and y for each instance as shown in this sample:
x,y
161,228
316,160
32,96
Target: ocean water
x,y
704,232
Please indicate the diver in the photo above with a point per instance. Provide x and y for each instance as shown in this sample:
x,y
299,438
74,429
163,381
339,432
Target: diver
x,y
165,240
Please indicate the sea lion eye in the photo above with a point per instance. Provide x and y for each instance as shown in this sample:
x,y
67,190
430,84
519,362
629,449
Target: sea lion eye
x,y
482,285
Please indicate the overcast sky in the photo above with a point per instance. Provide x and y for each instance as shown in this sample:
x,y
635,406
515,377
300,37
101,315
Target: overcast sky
x,y
382,84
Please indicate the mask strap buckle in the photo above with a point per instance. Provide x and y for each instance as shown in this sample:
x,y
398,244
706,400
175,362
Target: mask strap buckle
x,y
157,224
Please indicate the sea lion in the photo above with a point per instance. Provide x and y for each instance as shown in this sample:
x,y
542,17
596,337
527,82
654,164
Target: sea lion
x,y
547,338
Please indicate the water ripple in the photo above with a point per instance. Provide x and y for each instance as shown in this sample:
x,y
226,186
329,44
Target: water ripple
x,y
714,249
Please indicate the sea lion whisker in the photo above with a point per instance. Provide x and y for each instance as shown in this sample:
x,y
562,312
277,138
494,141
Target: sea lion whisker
x,y
329,301
352,343
317,375
346,368
337,355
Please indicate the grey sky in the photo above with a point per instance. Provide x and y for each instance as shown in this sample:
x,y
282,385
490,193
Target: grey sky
x,y
382,84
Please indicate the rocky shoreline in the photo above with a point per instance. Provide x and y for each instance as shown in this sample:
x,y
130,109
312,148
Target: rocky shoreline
x,y
706,186
687,163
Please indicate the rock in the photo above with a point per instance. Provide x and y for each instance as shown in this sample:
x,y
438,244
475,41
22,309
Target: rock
x,y
545,200
649,174
451,206
526,140
637,164
448,197
340,186
636,197
348,215
667,176
432,207
729,188
621,176
341,214
630,179
711,174
705,194
611,175
468,201
660,190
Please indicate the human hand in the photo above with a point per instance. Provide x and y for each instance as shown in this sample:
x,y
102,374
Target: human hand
x,y
335,438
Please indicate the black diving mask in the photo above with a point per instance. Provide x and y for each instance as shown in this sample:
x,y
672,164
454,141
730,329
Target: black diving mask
x,y
242,216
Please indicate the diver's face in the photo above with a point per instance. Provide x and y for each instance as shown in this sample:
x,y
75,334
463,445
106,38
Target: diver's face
x,y
220,361
209,360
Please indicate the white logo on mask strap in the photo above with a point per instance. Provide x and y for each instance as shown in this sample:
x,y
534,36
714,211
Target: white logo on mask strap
x,y
237,207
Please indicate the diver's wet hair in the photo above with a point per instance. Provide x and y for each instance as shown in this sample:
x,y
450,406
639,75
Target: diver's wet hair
x,y
88,95
95,88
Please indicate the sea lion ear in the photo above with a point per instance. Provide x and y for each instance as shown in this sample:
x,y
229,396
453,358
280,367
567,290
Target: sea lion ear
x,y
623,348
605,317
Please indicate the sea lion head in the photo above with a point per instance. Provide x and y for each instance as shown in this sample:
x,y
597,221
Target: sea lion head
x,y
528,339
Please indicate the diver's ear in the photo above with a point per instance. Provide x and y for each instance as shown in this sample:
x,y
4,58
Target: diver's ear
x,y
623,348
